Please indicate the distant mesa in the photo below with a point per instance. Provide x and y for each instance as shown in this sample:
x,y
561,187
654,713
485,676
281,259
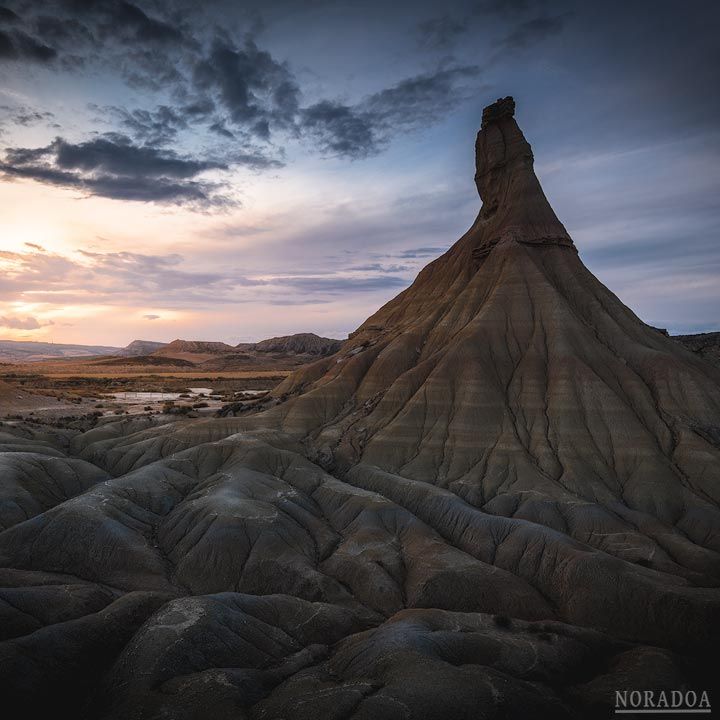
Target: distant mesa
x,y
189,349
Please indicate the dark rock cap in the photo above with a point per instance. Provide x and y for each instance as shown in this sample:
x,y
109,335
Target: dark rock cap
x,y
501,108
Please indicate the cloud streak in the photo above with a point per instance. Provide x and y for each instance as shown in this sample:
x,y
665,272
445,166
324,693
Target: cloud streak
x,y
114,167
22,323
127,278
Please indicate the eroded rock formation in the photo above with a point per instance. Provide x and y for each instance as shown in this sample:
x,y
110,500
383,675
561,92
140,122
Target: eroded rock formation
x,y
498,499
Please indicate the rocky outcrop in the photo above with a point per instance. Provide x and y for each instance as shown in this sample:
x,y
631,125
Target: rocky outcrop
x,y
500,496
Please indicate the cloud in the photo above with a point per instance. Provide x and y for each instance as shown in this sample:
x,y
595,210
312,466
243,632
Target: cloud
x,y
440,33
117,155
443,31
234,91
35,246
363,129
530,32
104,21
8,16
112,166
19,323
151,272
17,45
340,284
422,99
151,127
422,252
63,31
379,267
257,91
220,129
27,116
503,7
340,129
110,278
145,28
144,280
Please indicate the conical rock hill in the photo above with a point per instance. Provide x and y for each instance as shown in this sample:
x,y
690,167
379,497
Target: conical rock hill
x,y
501,496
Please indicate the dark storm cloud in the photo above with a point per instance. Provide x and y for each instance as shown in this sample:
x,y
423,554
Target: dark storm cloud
x,y
340,129
258,92
62,30
363,129
8,16
17,45
113,167
111,20
236,91
117,155
146,28
141,44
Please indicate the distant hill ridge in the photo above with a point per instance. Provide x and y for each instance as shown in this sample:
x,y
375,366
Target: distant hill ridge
x,y
29,350
141,347
706,345
300,343
199,347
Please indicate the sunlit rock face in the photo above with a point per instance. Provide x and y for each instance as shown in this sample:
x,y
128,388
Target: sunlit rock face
x,y
499,498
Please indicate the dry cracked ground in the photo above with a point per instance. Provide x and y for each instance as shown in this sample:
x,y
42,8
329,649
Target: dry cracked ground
x,y
500,499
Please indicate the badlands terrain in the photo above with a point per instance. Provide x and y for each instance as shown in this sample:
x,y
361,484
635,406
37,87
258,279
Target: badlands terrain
x,y
499,498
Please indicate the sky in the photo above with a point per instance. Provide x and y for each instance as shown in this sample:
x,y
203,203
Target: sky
x,y
234,171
